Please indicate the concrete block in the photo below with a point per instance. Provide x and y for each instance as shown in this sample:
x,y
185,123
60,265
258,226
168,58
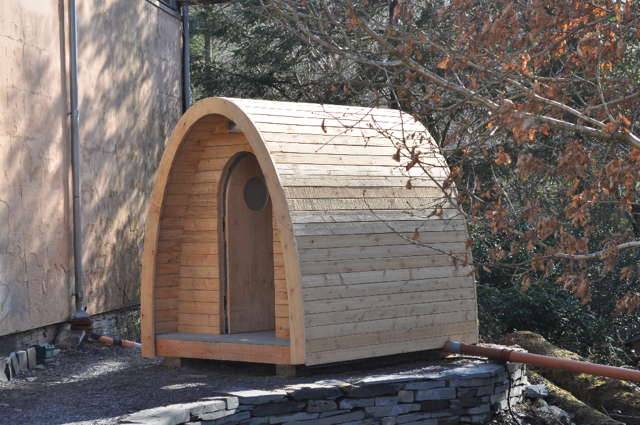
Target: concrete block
x,y
32,358
15,364
5,368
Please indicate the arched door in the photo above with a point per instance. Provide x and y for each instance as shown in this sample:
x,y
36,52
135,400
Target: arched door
x,y
248,239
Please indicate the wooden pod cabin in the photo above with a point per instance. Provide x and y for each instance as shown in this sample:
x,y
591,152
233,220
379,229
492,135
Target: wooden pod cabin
x,y
285,233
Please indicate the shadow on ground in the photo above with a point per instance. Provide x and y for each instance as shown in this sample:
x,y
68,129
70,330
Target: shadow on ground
x,y
98,384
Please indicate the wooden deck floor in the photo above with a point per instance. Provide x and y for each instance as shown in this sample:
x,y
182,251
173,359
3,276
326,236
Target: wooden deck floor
x,y
256,347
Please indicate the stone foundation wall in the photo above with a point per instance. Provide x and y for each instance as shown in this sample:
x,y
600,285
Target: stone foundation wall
x,y
464,394
124,323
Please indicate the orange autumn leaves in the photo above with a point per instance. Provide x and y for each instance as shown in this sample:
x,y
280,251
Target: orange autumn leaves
x,y
535,105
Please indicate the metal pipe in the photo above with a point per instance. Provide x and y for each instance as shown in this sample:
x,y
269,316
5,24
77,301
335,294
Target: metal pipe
x,y
115,341
186,59
75,155
577,366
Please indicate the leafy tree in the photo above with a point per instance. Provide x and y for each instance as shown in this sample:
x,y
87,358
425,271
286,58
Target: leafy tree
x,y
239,50
534,103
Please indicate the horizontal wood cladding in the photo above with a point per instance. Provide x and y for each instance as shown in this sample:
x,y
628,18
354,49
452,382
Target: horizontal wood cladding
x,y
416,227
360,182
412,329
385,268
365,193
384,288
407,345
380,239
387,275
364,263
389,312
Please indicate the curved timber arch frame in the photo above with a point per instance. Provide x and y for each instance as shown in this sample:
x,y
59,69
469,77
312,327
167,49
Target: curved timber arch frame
x,y
199,111
362,267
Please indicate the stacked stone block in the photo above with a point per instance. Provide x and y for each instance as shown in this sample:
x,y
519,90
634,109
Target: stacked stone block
x,y
466,394
16,363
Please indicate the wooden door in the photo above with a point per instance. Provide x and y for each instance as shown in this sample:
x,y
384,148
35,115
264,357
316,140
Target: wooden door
x,y
250,293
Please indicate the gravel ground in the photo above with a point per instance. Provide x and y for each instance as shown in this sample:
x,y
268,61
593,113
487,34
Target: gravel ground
x,y
98,385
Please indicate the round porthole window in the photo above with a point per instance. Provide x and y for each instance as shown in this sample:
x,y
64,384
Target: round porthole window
x,y
256,195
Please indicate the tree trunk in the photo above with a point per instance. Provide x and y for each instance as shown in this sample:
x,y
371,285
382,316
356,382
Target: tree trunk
x,y
618,399
583,414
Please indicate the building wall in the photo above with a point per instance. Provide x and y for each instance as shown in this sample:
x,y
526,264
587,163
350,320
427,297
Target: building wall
x,y
129,95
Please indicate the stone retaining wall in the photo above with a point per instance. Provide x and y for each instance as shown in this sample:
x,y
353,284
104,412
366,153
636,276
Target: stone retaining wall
x,y
468,393
124,323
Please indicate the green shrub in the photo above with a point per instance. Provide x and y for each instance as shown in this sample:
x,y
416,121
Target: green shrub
x,y
556,314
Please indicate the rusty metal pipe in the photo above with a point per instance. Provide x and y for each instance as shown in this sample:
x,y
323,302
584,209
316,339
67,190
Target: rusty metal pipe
x,y
115,341
577,366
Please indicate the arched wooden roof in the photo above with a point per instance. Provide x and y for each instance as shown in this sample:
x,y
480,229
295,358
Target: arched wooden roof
x,y
358,284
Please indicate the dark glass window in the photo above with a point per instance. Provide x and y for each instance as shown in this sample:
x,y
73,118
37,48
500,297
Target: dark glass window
x,y
256,195
172,4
